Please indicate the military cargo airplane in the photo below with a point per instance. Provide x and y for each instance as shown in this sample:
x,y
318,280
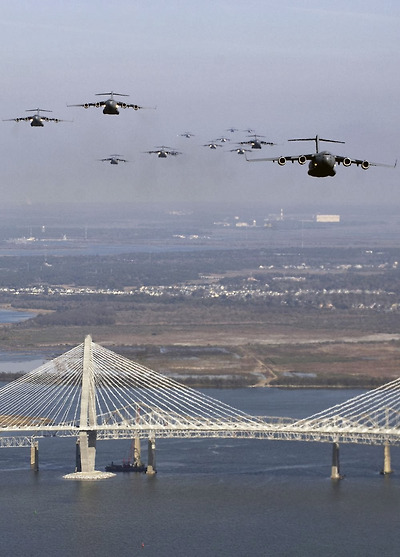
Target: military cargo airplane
x,y
188,135
322,163
110,106
163,152
37,119
240,151
256,143
212,145
113,159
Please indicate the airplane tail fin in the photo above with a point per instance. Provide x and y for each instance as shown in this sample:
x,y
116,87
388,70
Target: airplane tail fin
x,y
317,139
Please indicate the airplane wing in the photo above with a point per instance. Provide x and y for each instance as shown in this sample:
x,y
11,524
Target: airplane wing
x,y
134,106
87,105
282,160
126,105
24,119
347,161
53,119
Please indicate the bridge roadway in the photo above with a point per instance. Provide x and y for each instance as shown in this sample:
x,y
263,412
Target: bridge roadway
x,y
268,428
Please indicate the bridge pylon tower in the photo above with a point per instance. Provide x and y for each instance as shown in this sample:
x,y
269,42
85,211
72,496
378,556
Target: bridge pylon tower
x,y
86,448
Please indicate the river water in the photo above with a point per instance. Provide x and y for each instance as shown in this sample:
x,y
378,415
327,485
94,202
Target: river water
x,y
11,316
210,497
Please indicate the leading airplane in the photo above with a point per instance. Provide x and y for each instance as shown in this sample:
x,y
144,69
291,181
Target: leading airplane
x,y
111,105
322,163
37,119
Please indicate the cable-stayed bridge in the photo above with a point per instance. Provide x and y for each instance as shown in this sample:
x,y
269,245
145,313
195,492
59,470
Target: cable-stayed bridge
x,y
92,393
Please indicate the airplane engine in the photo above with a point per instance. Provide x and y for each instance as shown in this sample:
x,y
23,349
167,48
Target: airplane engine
x,y
365,165
302,159
97,105
346,161
135,107
123,105
86,105
281,161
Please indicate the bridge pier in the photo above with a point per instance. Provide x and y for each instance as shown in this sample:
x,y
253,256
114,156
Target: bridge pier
x,y
87,446
151,457
335,472
78,465
35,456
387,463
137,453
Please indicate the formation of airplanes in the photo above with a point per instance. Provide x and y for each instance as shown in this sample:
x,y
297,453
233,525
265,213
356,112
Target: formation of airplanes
x,y
321,164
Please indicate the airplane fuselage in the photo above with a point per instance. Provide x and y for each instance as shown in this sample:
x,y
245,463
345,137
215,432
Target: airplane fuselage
x,y
110,107
162,155
322,164
37,121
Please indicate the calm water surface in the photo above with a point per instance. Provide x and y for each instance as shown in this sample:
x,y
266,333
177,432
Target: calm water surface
x,y
210,497
11,316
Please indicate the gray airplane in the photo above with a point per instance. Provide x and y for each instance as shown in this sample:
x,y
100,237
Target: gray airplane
x,y
256,143
188,135
240,151
212,145
110,106
37,119
113,159
322,163
163,152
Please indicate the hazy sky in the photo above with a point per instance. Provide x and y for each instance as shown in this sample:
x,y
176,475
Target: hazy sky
x,y
286,68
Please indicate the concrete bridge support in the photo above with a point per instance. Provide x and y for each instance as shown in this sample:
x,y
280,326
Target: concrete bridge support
x,y
387,464
78,465
151,457
137,453
35,456
87,446
335,473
